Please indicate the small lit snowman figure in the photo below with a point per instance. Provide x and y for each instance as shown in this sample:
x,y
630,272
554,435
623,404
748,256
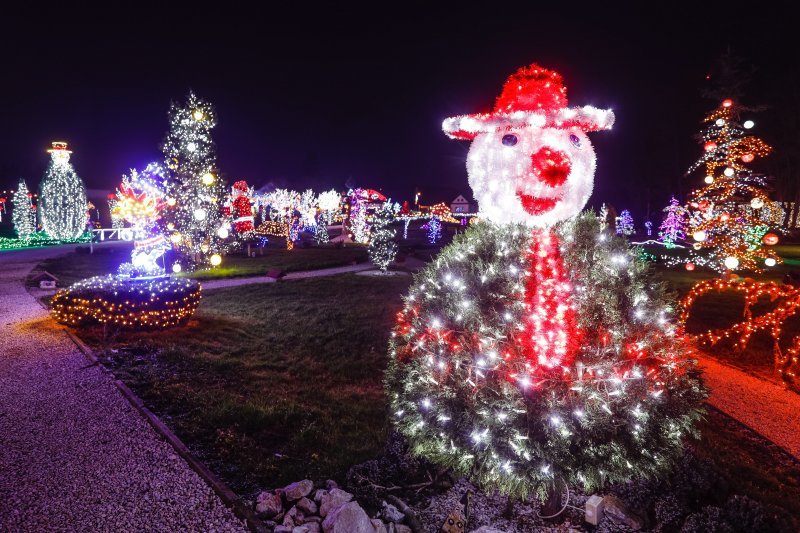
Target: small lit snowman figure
x,y
530,160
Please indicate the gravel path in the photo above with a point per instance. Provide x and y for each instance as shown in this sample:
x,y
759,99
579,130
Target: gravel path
x,y
74,454
766,407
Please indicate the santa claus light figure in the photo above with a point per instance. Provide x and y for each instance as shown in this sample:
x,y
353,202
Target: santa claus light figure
x,y
535,349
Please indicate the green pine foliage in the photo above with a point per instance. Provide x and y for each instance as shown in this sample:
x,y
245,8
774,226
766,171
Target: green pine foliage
x,y
620,410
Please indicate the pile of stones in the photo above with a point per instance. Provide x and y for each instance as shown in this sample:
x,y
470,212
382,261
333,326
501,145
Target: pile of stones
x,y
303,508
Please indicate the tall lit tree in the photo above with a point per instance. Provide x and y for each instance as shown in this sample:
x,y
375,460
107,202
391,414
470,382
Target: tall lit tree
x,y
672,228
358,216
382,248
725,216
195,192
62,197
23,215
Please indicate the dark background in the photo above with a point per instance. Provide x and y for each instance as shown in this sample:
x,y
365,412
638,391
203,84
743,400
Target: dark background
x,y
329,96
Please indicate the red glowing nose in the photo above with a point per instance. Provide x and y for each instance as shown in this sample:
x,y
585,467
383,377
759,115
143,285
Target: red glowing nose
x,y
551,166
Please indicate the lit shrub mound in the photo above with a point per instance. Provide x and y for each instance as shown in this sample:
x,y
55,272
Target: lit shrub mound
x,y
154,303
469,393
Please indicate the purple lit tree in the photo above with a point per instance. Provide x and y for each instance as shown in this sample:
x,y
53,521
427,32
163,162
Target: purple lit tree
x,y
672,229
625,223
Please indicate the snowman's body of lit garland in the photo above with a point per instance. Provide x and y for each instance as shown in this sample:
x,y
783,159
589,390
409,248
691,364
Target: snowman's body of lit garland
x,y
470,395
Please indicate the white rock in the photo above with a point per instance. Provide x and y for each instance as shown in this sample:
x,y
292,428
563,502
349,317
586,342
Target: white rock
x,y
293,517
390,513
487,529
268,503
334,498
295,491
307,506
348,518
401,528
318,494
379,526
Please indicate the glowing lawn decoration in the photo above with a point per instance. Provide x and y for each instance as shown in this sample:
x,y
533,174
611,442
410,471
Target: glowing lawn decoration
x,y
535,347
139,201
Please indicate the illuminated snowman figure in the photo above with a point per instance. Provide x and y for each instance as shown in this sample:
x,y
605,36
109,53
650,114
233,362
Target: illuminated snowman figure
x,y
535,347
531,163
530,160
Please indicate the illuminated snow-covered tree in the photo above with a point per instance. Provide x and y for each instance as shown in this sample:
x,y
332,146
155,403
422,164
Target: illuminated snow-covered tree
x,y
195,192
358,216
382,248
726,218
671,229
536,347
328,203
62,197
23,216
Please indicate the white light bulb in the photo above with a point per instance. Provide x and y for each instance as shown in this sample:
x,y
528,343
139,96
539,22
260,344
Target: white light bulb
x,y
223,233
770,262
729,172
699,236
731,263
756,203
191,147
720,122
709,179
198,115
216,260
176,267
200,214
748,124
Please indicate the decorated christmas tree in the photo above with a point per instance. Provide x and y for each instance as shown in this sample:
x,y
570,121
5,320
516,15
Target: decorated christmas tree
x,y
193,217
62,197
24,216
728,216
671,229
382,248
434,229
536,349
625,223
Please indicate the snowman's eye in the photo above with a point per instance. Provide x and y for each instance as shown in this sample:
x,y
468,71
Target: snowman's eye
x,y
509,140
575,140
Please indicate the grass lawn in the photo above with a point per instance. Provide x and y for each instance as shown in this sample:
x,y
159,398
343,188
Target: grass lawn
x,y
77,266
271,383
299,259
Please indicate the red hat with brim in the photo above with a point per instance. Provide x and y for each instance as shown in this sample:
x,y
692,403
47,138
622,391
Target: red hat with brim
x,y
532,97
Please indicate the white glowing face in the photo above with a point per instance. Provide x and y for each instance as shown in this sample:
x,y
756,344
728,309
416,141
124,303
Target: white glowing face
x,y
535,176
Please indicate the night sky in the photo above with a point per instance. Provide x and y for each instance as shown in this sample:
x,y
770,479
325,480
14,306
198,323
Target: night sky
x,y
356,95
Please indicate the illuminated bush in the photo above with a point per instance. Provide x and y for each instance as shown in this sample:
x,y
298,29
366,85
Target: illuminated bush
x,y
144,304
